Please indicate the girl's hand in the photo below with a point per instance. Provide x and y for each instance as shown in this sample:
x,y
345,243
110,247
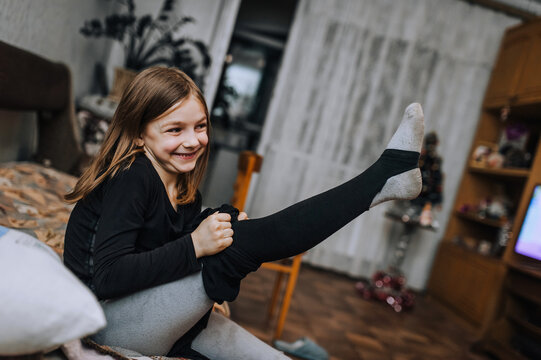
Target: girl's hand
x,y
242,216
213,235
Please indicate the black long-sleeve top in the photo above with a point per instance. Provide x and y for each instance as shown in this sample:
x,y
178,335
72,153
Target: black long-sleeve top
x,y
125,236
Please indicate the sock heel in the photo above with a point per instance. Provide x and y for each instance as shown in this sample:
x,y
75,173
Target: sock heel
x,y
405,186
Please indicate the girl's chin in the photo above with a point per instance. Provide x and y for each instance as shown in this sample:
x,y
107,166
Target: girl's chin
x,y
183,166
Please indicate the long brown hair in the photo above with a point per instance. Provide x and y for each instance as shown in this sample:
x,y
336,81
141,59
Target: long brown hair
x,y
149,95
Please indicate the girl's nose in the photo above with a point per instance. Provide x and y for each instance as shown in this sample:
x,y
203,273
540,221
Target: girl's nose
x,y
190,140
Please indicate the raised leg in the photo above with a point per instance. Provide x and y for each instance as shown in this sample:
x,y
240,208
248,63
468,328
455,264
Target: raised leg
x,y
395,175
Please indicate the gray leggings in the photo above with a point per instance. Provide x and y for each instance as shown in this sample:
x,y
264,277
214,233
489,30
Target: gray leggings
x,y
151,321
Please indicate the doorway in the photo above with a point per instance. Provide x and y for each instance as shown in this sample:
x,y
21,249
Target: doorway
x,y
249,74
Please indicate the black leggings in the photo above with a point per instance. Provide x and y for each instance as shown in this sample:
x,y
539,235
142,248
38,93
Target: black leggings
x,y
299,227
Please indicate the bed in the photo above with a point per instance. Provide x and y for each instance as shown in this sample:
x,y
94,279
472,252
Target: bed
x,y
32,189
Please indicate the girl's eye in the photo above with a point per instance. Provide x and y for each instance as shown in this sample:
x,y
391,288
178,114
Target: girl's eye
x,y
202,126
174,130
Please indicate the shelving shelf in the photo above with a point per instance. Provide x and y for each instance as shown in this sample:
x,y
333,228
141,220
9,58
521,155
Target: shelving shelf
x,y
524,109
496,347
475,254
532,270
524,294
480,220
501,172
531,328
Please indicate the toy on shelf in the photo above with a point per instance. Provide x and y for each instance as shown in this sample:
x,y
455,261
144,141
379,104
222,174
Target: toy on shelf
x,y
497,208
510,152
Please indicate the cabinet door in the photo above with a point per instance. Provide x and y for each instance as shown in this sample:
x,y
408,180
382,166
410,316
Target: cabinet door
x,y
465,281
480,284
504,79
529,85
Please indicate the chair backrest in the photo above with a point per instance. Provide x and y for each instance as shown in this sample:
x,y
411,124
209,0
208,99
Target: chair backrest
x,y
249,162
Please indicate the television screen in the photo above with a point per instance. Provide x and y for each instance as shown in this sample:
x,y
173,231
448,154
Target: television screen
x,y
529,237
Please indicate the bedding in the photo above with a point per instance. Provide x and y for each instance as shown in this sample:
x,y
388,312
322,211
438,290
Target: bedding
x,y
31,201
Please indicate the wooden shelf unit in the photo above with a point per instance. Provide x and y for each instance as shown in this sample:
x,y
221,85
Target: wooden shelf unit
x,y
495,294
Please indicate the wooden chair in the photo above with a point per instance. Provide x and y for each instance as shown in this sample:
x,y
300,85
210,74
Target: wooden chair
x,y
249,163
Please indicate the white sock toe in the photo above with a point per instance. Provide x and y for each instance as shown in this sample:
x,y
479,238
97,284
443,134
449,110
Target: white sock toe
x,y
410,132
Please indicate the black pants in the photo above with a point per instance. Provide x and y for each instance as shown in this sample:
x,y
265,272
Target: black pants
x,y
299,227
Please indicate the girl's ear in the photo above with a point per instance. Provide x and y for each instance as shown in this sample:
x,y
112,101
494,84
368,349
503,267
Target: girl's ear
x,y
139,141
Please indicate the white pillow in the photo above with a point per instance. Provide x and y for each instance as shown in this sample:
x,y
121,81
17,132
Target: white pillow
x,y
42,304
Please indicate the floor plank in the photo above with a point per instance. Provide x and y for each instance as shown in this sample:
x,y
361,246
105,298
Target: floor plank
x,y
327,308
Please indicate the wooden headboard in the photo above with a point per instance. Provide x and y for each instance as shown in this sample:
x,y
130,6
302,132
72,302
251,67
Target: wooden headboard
x,y
30,82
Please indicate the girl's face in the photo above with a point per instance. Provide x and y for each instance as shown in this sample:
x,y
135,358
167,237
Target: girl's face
x,y
174,142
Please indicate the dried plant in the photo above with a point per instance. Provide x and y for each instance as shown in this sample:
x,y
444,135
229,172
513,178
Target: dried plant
x,y
149,41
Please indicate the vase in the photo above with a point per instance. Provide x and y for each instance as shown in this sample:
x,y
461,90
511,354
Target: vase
x,y
123,77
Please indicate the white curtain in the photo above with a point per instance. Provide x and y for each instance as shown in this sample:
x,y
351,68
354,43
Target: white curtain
x,y
349,69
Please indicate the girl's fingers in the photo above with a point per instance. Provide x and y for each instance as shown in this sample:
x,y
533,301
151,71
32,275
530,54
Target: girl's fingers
x,y
227,233
242,216
224,225
227,242
223,217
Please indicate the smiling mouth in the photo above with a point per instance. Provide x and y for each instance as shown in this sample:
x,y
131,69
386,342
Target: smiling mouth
x,y
186,156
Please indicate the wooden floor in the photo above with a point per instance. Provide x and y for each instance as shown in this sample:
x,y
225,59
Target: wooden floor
x,y
326,308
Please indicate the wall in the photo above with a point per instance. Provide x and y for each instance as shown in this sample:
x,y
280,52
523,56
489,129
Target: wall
x,y
51,29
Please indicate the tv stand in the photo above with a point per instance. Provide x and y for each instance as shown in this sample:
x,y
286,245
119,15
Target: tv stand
x,y
516,331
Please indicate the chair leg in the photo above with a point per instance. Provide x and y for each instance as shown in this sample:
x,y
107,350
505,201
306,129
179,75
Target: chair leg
x,y
275,293
291,282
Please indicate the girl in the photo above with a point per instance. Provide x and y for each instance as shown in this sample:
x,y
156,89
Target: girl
x,y
138,240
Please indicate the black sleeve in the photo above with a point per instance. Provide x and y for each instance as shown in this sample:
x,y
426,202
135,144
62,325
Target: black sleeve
x,y
119,268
